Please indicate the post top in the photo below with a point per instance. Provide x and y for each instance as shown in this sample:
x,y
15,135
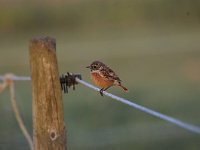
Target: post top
x,y
47,42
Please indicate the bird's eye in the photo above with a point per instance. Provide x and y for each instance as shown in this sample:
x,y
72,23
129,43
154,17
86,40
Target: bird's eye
x,y
95,67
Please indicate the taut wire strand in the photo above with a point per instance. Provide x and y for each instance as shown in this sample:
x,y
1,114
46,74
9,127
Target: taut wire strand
x,y
177,122
17,78
187,126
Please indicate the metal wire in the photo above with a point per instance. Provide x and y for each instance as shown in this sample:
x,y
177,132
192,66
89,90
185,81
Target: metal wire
x,y
187,126
17,78
177,122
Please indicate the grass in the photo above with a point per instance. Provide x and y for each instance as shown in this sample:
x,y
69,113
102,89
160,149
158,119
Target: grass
x,y
159,66
154,48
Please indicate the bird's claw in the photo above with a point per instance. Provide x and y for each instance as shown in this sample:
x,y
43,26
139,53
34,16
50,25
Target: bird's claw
x,y
101,92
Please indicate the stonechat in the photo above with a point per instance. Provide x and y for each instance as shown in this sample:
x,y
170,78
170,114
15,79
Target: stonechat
x,y
104,77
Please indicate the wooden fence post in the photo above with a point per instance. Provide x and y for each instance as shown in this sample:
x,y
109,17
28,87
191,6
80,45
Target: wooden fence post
x,y
48,115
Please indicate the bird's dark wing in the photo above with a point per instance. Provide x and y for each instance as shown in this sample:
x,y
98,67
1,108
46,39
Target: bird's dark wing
x,y
109,74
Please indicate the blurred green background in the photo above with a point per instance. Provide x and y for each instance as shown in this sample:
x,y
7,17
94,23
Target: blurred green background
x,y
153,45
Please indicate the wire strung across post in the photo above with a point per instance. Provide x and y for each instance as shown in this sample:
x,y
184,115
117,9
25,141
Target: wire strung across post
x,y
17,78
172,120
177,122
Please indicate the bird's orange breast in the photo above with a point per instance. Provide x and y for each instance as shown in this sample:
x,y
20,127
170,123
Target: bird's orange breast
x,y
101,81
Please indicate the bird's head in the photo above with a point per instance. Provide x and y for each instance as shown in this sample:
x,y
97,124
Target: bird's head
x,y
95,65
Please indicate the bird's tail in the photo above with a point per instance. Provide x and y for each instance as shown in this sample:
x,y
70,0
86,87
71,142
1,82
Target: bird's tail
x,y
124,88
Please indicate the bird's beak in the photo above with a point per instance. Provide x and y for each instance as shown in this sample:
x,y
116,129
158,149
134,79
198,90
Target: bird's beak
x,y
88,67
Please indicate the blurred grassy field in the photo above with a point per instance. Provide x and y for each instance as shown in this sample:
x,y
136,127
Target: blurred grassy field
x,y
159,63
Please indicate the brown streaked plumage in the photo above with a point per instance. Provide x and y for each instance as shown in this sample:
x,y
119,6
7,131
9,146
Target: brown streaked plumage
x,y
104,77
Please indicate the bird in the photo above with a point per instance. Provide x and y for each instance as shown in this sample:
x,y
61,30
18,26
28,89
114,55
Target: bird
x,y
104,77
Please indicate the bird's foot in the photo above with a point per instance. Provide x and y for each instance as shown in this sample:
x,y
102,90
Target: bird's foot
x,y
101,91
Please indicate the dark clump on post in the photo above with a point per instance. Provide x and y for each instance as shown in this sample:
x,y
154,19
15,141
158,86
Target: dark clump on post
x,y
48,114
68,80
